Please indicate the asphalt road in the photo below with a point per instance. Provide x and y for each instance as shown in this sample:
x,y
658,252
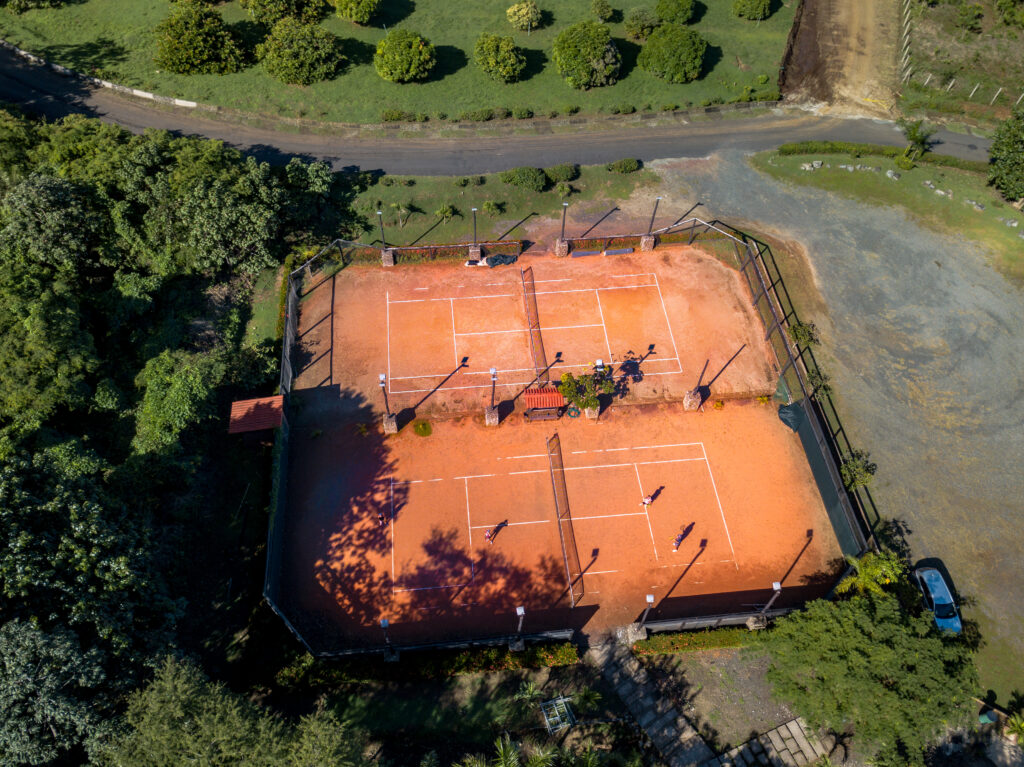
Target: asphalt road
x,y
40,90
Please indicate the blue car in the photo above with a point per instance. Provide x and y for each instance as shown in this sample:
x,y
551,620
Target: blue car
x,y
938,598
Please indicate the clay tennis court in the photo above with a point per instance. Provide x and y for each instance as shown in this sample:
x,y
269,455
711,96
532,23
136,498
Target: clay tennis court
x,y
394,526
679,316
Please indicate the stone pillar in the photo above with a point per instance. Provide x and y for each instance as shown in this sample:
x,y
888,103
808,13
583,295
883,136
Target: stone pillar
x,y
474,252
390,654
692,400
757,622
648,241
561,247
387,257
516,645
391,424
630,634
491,416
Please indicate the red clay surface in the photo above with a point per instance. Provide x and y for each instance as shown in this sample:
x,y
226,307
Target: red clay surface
x,y
734,483
445,325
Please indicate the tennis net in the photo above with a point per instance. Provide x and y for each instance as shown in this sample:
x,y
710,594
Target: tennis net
x,y
573,571
540,361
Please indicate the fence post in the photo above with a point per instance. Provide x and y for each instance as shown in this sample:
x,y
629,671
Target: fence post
x,y
993,101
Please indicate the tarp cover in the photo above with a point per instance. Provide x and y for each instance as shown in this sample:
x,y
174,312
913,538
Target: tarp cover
x,y
500,260
792,415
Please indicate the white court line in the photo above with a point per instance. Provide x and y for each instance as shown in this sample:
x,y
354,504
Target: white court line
x,y
600,572
513,457
421,288
638,463
436,480
646,514
638,274
609,516
521,370
587,290
565,279
671,335
392,526
531,471
387,300
604,327
455,342
525,330
434,588
450,298
720,511
512,524
469,522
637,447
468,477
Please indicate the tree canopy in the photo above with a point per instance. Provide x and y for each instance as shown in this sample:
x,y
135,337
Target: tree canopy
x,y
524,16
586,56
403,56
359,11
269,12
673,53
298,53
755,10
868,664
675,11
499,58
1007,156
195,40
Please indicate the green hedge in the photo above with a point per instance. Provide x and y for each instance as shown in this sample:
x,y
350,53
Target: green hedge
x,y
282,298
305,672
857,150
691,641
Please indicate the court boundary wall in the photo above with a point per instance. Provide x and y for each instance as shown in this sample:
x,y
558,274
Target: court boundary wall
x,y
853,514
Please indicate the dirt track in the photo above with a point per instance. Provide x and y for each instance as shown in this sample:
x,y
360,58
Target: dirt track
x,y
844,55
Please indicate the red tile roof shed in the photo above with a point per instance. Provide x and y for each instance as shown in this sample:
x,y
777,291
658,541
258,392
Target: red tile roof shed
x,y
256,414
547,396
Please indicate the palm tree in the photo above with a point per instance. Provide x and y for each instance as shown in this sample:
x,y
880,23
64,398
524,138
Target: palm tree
x,y
917,135
873,573
506,753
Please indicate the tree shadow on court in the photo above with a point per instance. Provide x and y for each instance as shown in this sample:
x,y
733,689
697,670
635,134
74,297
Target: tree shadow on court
x,y
313,352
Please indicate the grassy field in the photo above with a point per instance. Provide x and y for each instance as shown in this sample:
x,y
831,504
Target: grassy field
x,y
114,39
949,214
416,199
943,52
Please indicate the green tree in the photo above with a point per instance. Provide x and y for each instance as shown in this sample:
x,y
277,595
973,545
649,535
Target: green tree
x,y
867,664
873,574
602,9
74,554
299,54
195,40
269,12
51,222
639,24
359,11
17,136
586,56
233,225
1006,156
533,179
804,334
673,53
969,16
178,388
584,391
755,10
918,137
321,739
499,58
1011,12
403,56
857,469
50,692
524,16
675,11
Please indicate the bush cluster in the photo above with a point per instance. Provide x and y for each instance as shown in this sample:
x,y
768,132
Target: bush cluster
x,y
533,179
565,171
675,11
586,56
691,641
269,12
626,165
359,11
639,24
403,56
755,10
499,58
858,150
299,54
602,9
195,40
400,115
673,53
524,16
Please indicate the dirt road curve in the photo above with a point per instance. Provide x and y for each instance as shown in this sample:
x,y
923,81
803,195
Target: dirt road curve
x,y
844,55
45,92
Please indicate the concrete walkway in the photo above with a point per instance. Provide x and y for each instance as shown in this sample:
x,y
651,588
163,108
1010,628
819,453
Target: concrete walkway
x,y
675,738
790,744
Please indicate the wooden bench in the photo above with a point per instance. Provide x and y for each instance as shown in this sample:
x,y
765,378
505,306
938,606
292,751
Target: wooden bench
x,y
544,403
543,414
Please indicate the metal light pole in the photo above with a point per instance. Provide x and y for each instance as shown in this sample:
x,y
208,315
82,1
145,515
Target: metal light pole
x,y
521,612
494,381
565,206
384,623
650,604
778,591
650,226
380,220
474,226
383,380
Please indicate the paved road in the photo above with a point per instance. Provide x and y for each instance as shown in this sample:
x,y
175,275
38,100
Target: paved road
x,y
41,90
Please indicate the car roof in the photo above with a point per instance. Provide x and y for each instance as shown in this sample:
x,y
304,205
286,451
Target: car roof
x,y
935,582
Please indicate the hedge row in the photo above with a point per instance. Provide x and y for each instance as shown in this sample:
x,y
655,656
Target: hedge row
x,y
306,672
606,243
858,150
691,641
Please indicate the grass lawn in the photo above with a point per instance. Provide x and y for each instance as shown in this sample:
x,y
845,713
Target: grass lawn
x,y
417,202
980,63
114,38
953,215
262,323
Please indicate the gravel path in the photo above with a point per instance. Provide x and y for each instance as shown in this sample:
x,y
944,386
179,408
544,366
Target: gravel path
x,y
924,343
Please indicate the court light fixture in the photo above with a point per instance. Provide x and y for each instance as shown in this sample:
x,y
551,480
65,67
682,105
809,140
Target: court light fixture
x,y
521,612
650,604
